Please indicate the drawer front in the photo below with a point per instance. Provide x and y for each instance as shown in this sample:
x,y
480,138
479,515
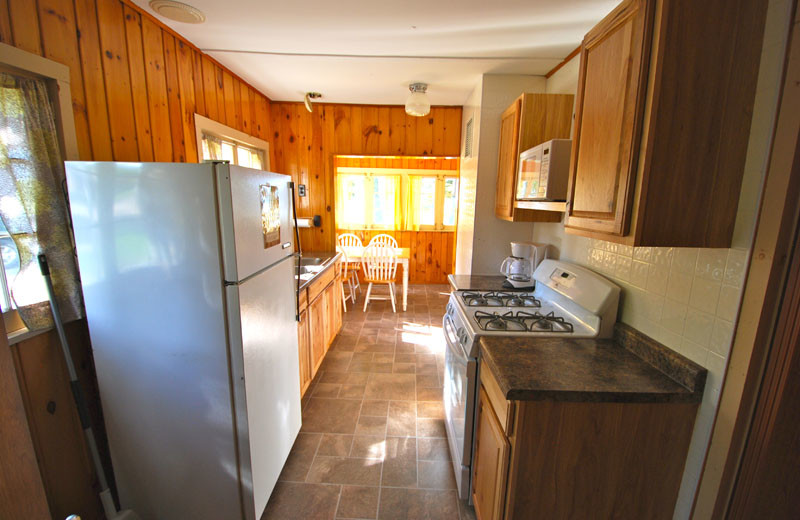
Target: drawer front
x,y
502,407
319,284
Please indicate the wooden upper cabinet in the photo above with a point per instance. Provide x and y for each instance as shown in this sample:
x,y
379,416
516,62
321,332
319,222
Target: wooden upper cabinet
x,y
530,120
662,122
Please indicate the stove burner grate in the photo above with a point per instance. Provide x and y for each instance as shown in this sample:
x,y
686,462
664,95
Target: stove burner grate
x,y
499,299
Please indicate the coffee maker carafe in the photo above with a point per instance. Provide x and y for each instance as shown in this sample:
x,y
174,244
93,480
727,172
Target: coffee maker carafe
x,y
518,268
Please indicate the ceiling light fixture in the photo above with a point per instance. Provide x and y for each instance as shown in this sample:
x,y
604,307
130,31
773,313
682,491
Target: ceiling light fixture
x,y
177,11
308,98
417,103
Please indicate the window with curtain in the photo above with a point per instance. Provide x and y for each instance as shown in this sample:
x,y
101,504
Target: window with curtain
x,y
219,149
411,202
33,205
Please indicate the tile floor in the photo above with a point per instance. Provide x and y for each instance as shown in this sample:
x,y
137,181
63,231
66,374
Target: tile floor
x,y
373,442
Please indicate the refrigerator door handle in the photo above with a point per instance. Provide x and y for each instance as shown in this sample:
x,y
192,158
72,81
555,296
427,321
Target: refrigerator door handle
x,y
299,254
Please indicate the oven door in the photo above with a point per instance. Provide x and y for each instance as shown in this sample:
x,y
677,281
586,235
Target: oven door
x,y
460,380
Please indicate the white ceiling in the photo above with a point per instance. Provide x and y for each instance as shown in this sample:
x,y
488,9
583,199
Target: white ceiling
x,y
359,51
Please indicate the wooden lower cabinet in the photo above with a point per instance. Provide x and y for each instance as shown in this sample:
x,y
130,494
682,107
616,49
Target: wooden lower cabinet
x,y
303,351
490,464
557,459
319,324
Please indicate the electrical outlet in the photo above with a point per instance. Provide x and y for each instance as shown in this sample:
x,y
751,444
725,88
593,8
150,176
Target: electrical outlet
x,y
301,190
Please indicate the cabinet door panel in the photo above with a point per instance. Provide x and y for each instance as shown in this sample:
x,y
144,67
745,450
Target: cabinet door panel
x,y
490,463
317,332
608,116
304,354
508,153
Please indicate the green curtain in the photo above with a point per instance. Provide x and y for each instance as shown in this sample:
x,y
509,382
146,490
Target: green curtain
x,y
33,204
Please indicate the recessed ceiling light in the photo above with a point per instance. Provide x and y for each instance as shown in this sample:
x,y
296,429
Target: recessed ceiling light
x,y
177,11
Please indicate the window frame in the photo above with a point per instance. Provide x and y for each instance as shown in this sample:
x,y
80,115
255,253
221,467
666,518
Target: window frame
x,y
56,75
405,174
204,125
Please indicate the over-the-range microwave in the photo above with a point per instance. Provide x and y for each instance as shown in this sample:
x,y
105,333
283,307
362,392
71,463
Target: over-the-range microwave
x,y
544,170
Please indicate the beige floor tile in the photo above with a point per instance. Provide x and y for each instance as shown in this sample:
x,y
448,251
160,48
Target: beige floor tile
x,y
371,425
404,504
368,447
300,458
427,381
334,445
298,501
331,416
429,394
326,390
402,419
431,428
400,462
345,470
375,408
391,386
404,368
432,449
430,410
436,474
352,391
358,502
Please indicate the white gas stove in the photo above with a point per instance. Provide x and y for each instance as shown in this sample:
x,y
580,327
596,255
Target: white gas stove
x,y
568,301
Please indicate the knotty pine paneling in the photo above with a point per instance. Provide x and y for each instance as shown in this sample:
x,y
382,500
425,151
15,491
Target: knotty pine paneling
x,y
305,145
135,83
135,87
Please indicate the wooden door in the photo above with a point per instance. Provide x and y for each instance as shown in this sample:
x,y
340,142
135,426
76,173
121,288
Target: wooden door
x,y
508,153
608,120
316,321
303,351
490,465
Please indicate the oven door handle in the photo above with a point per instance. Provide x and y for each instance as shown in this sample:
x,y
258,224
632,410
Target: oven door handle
x,y
449,330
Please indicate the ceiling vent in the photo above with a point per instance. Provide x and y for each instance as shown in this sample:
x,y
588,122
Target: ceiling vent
x,y
177,11
468,139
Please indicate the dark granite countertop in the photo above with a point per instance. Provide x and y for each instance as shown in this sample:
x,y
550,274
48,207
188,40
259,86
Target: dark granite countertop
x,y
630,368
463,282
324,259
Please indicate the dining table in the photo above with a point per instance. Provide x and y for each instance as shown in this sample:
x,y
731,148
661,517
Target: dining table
x,y
403,254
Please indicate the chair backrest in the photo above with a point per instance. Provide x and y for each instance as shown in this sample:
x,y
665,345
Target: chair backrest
x,y
344,263
349,240
384,240
379,263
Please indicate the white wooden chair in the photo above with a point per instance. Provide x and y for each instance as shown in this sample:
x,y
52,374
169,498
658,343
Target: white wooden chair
x,y
380,267
347,276
351,240
384,240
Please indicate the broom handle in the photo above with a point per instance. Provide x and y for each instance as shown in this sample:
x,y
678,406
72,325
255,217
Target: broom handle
x,y
77,391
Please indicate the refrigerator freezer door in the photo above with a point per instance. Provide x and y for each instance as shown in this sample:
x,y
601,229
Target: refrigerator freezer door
x,y
148,250
266,382
254,210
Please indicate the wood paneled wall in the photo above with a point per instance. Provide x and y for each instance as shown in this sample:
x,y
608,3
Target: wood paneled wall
x,y
135,84
305,145
432,252
135,87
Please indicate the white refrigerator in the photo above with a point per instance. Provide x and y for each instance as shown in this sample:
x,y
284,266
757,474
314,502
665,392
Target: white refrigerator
x,y
188,281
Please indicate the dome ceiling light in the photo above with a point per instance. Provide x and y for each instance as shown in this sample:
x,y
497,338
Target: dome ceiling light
x,y
308,98
417,103
177,11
